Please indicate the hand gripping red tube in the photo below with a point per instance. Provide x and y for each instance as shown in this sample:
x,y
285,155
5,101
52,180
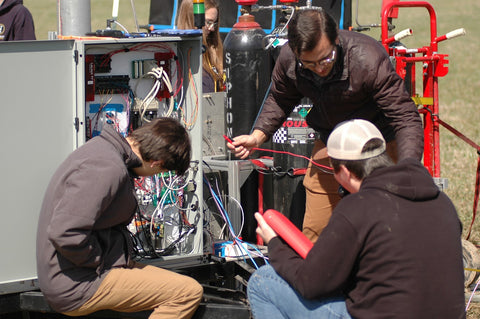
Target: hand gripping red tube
x,y
288,232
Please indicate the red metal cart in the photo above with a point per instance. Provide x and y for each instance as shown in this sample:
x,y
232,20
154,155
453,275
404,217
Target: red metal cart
x,y
433,64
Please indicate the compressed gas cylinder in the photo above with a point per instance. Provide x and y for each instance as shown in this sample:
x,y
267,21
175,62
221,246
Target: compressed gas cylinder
x,y
294,136
248,70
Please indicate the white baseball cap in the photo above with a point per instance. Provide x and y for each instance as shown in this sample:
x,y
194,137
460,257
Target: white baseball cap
x,y
348,139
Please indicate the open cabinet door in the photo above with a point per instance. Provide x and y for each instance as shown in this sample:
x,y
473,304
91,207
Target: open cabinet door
x,y
37,132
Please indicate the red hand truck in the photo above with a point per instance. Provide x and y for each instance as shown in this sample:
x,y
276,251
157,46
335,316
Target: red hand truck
x,y
434,65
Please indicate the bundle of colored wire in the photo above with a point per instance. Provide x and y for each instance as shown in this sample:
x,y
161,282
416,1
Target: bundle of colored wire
x,y
236,239
159,75
184,112
168,194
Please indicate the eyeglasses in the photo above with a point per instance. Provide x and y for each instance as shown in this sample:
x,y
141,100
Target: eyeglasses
x,y
322,63
211,23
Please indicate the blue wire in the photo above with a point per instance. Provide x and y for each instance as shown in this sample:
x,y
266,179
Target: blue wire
x,y
236,239
212,191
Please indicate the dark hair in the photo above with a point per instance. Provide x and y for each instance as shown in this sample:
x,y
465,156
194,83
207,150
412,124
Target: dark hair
x,y
307,28
164,139
363,168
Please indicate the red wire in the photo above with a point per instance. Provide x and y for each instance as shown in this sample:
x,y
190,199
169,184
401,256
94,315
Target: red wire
x,y
477,179
260,203
139,184
328,168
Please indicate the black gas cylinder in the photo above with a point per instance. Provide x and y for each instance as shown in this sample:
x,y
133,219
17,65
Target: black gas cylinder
x,y
248,70
294,137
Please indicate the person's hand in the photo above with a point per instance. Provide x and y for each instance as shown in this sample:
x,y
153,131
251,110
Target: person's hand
x,y
242,146
263,230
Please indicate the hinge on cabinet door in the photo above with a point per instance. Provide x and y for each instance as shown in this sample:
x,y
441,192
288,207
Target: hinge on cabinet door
x,y
75,56
76,123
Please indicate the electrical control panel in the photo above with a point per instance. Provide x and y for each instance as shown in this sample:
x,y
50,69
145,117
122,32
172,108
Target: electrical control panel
x,y
58,95
127,85
130,84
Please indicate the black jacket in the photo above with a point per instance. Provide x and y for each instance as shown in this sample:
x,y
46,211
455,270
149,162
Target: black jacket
x,y
363,84
393,250
16,22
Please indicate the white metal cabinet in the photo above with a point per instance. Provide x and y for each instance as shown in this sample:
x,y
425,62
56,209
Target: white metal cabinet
x,y
43,109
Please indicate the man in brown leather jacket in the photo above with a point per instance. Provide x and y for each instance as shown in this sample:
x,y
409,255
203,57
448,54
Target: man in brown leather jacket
x,y
346,75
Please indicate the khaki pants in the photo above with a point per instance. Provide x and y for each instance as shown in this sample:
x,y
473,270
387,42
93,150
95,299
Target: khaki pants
x,y
145,287
322,191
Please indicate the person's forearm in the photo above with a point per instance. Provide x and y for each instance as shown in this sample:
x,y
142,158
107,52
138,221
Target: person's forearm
x,y
259,136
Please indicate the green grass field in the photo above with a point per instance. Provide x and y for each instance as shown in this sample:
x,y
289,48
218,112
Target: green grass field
x,y
457,90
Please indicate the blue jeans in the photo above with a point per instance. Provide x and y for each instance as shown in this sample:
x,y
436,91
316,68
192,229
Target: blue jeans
x,y
271,296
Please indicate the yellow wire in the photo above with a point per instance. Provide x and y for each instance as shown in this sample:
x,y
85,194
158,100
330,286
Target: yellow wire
x,y
471,269
194,90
